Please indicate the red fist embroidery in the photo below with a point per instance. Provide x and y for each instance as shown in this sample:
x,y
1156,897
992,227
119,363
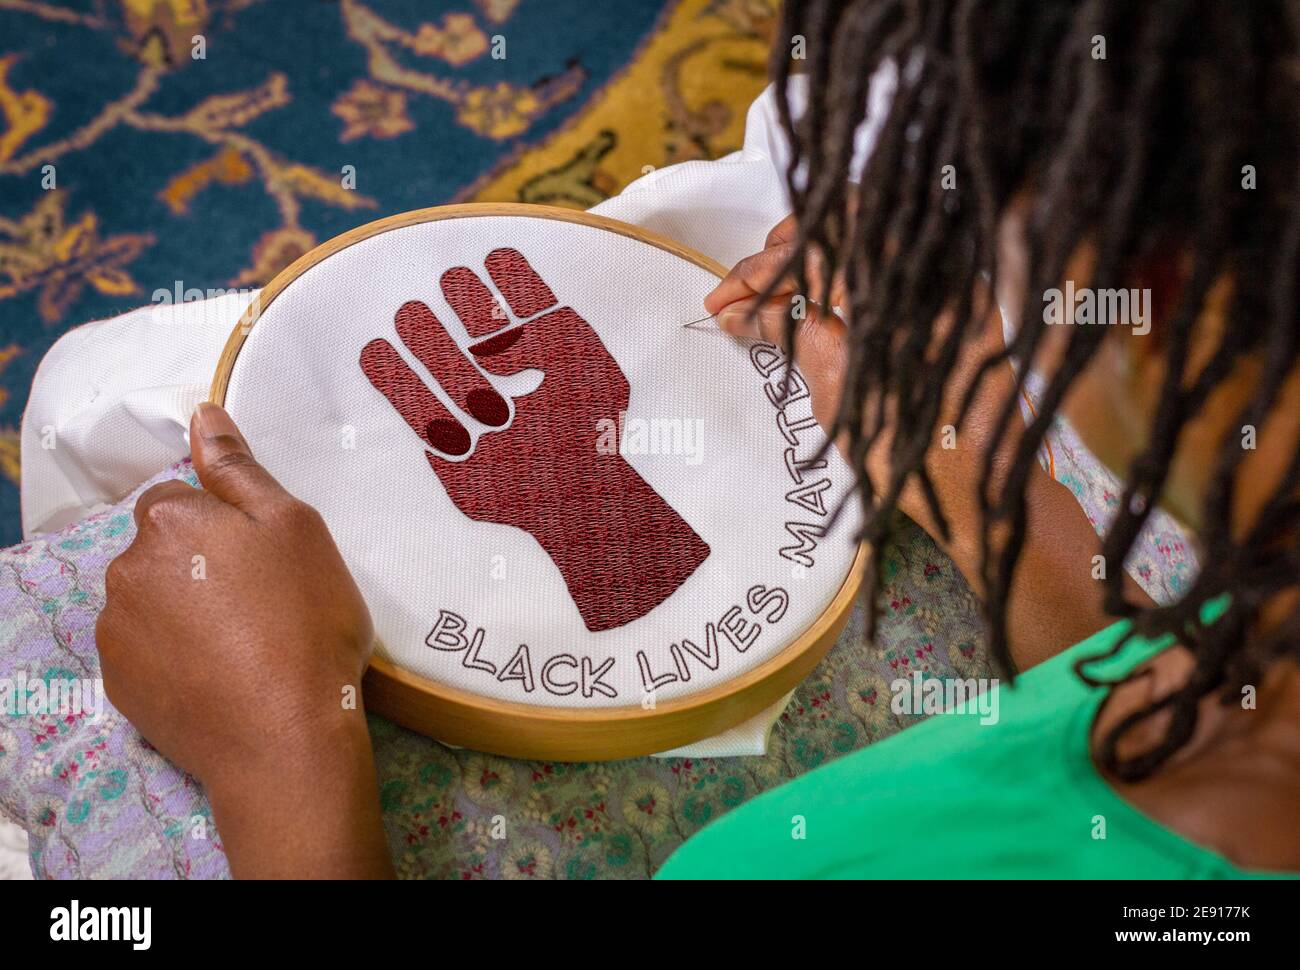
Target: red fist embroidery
x,y
621,549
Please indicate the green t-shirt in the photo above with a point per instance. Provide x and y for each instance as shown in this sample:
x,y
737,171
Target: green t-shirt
x,y
952,797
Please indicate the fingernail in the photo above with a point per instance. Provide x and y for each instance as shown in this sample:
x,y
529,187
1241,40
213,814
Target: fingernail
x,y
738,321
447,436
488,406
213,422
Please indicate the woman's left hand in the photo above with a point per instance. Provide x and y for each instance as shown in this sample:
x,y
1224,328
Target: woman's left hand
x,y
234,639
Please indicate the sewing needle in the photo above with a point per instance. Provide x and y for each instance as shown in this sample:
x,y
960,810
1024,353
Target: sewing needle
x,y
696,325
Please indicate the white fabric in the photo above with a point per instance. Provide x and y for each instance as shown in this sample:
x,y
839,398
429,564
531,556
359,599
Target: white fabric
x,y
111,400
13,853
110,405
315,421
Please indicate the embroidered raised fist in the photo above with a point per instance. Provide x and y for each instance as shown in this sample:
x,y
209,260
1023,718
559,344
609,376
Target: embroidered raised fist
x,y
534,464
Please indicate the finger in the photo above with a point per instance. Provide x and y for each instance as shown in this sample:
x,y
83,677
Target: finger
x,y
406,392
463,382
819,347
819,330
818,337
839,297
784,231
473,302
225,465
561,334
151,500
818,350
518,282
116,585
751,276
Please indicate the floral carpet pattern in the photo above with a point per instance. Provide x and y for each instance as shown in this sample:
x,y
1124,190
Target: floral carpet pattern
x,y
165,150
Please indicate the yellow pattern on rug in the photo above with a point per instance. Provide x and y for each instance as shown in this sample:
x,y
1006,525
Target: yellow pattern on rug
x,y
683,97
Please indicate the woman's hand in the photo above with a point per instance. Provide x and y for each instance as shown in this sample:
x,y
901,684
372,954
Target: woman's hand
x,y
234,639
820,349
1055,600
819,336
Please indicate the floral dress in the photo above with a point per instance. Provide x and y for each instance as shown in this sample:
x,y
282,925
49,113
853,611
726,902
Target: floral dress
x,y
97,801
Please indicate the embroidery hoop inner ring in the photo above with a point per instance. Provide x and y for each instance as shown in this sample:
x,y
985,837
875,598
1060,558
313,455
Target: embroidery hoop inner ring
x,y
511,729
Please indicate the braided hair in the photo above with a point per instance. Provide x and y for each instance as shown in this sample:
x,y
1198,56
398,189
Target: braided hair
x,y
1141,149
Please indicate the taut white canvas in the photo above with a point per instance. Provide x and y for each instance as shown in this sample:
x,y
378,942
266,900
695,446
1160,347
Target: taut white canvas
x,y
478,603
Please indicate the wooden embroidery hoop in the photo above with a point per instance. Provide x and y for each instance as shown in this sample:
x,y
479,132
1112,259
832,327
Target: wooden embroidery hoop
x,y
470,720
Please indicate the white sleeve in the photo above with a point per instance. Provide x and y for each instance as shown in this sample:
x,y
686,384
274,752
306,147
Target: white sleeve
x,y
725,208
111,402
722,208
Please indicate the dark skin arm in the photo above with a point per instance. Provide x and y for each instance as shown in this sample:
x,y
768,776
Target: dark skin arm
x,y
1055,601
244,667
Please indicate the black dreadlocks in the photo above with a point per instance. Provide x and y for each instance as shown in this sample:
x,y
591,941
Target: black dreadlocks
x,y
1130,125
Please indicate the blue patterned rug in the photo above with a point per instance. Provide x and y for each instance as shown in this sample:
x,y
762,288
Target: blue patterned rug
x,y
191,145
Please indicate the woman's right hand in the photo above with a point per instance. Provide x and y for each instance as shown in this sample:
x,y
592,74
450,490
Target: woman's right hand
x,y
1055,600
821,352
819,336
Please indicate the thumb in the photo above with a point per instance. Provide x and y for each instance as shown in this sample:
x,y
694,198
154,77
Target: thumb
x,y
819,345
223,462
